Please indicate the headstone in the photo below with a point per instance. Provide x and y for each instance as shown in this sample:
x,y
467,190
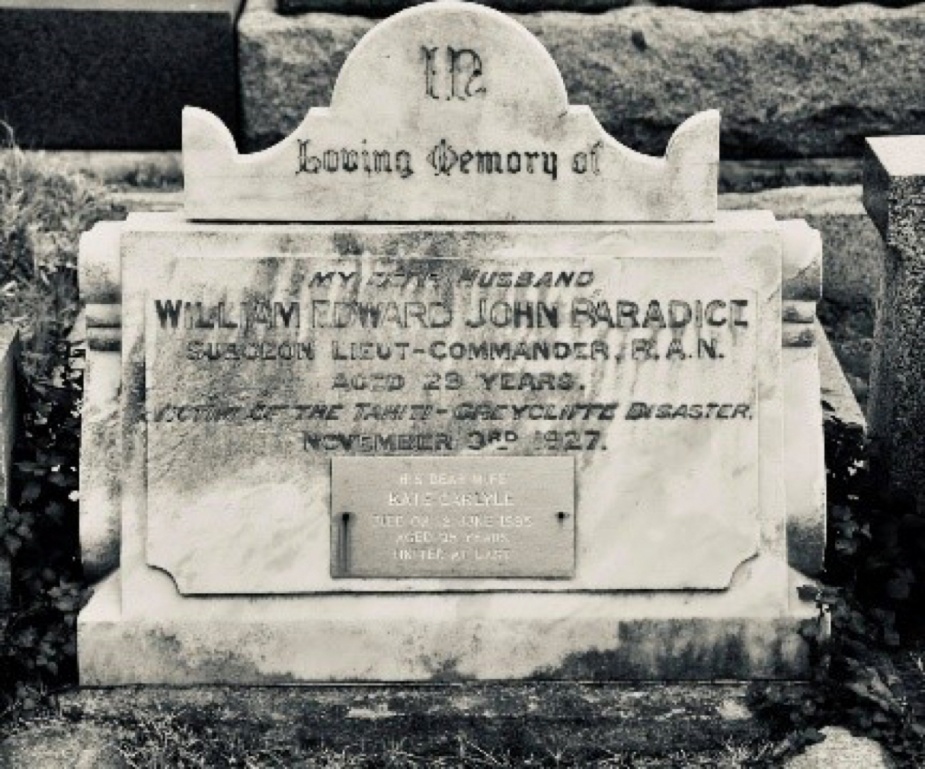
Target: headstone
x,y
450,384
114,74
9,422
894,195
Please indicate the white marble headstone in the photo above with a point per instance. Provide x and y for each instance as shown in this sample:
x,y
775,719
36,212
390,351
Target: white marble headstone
x,y
450,383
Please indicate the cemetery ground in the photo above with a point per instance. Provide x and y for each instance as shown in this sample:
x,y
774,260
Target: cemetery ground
x,y
870,676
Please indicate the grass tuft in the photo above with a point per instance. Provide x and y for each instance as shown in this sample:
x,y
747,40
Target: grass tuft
x,y
44,208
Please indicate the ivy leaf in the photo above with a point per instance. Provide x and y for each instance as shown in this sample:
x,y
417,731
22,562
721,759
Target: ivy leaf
x,y
31,491
898,588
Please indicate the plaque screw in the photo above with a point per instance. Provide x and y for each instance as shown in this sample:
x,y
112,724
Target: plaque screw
x,y
561,515
343,551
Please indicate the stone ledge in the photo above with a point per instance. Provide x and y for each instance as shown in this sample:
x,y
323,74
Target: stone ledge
x,y
750,631
794,82
851,245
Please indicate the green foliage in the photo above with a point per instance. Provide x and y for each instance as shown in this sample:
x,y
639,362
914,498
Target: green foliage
x,y
874,574
43,211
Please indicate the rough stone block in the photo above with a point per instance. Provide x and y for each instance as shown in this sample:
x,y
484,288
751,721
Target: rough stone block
x,y
377,8
114,74
894,195
842,749
792,82
851,262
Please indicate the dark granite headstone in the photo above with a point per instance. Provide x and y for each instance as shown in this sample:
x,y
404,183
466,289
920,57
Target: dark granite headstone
x,y
114,74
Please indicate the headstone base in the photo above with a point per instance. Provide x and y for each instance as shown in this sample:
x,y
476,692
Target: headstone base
x,y
731,634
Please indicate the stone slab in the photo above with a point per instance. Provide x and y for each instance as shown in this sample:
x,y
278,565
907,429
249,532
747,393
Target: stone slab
x,y
842,749
138,626
850,241
130,69
842,73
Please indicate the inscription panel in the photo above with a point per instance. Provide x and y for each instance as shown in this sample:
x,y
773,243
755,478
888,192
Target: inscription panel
x,y
452,517
642,371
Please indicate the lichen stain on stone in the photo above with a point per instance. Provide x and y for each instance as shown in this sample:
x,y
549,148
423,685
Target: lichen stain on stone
x,y
445,670
186,663
442,244
683,649
134,390
347,244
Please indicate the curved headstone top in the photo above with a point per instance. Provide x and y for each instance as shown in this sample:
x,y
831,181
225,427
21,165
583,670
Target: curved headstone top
x,y
448,112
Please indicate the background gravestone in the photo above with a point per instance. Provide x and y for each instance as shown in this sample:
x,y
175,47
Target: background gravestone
x,y
114,74
451,384
894,195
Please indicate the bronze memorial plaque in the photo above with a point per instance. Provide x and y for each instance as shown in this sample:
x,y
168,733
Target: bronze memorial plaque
x,y
453,517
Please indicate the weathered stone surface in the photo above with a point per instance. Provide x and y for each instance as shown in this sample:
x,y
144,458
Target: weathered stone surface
x,y
789,82
894,195
100,439
114,74
850,241
804,462
222,519
842,749
144,634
